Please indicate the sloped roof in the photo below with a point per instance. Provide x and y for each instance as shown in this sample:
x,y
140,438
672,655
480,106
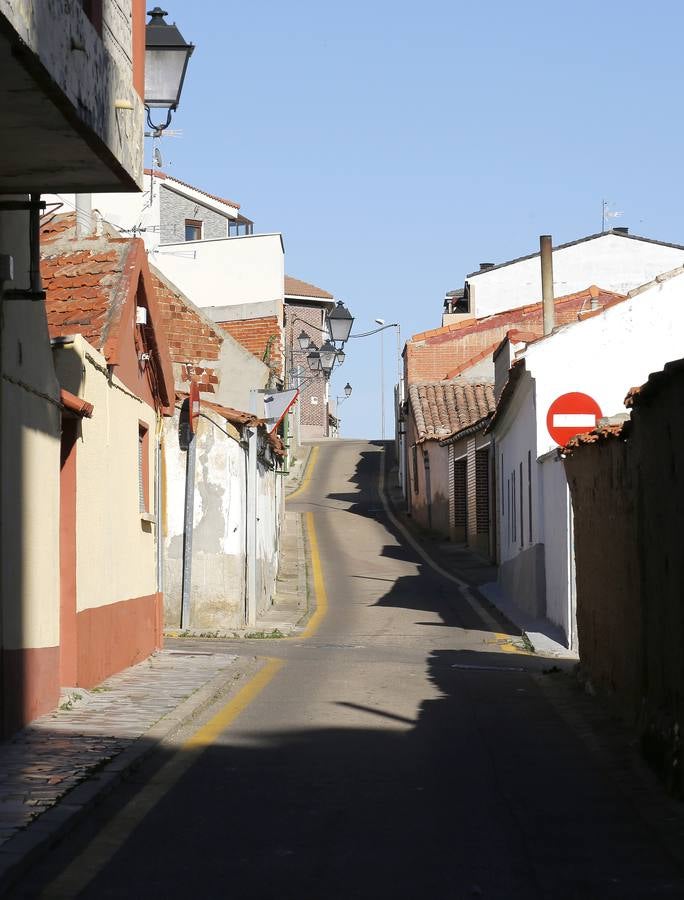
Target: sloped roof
x,y
444,408
567,308
91,286
294,287
616,232
162,176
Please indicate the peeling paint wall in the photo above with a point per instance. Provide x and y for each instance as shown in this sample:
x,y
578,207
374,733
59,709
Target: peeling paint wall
x,y
219,532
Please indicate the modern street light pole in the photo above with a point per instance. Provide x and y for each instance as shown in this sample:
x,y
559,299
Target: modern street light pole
x,y
382,378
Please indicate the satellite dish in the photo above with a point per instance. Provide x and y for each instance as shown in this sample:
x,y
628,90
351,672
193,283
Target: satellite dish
x,y
157,157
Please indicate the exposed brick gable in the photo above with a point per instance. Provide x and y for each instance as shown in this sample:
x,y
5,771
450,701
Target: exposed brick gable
x,y
191,339
261,336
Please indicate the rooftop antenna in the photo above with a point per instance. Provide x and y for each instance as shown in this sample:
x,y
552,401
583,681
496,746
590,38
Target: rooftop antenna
x,y
608,213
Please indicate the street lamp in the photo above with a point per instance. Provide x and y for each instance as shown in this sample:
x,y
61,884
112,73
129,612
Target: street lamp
x,y
340,322
166,60
347,390
314,361
304,340
340,357
327,354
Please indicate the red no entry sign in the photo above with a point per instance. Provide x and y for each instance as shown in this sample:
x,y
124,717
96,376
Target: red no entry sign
x,y
572,414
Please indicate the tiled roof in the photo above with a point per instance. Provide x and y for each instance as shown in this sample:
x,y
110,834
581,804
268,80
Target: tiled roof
x,y
597,435
444,408
163,177
431,354
296,288
570,305
90,284
238,418
86,282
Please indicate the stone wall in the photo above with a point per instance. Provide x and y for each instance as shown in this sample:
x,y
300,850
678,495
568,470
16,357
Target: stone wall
x,y
175,209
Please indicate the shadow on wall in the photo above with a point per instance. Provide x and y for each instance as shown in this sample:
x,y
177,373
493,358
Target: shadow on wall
x,y
29,516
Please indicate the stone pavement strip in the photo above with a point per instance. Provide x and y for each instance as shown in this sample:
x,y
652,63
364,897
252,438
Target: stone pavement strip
x,y
55,769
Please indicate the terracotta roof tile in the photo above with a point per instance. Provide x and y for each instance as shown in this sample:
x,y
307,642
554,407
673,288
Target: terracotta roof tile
x,y
444,408
297,288
163,177
597,435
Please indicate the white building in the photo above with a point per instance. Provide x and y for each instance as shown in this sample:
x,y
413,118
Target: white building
x,y
615,260
202,243
603,355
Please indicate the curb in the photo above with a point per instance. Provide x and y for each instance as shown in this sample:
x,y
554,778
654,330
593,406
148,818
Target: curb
x,y
25,849
473,588
307,448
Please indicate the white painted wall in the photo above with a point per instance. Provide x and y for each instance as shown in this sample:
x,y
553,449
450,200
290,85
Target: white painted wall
x,y
610,261
246,269
219,538
603,356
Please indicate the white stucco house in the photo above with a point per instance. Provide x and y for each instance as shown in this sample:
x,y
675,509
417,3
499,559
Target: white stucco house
x,y
616,260
603,355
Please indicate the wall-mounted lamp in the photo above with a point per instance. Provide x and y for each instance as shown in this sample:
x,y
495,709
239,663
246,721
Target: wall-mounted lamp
x,y
166,61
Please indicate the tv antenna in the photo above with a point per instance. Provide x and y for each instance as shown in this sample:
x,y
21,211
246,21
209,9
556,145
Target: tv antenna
x,y
608,213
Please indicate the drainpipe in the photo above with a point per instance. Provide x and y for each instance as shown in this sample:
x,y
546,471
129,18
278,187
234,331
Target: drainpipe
x,y
545,246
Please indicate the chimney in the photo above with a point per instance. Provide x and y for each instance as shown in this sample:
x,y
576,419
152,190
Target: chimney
x,y
621,230
485,266
546,254
84,215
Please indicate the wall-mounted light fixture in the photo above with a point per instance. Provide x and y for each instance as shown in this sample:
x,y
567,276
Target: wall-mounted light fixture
x,y
166,61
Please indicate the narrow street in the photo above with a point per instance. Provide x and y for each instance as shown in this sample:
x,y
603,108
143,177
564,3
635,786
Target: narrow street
x,y
404,748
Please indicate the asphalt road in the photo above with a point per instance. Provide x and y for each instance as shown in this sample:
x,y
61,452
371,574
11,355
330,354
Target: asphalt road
x,y
405,750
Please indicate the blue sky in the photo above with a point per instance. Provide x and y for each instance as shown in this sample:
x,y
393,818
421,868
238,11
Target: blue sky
x,y
398,145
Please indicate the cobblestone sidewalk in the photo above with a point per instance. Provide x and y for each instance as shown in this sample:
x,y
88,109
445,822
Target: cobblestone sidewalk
x,y
45,761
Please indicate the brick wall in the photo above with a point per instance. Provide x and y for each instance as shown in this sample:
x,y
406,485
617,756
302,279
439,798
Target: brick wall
x,y
313,401
192,341
628,502
261,336
174,210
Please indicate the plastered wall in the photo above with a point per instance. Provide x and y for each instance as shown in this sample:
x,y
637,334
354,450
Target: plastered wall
x,y
116,562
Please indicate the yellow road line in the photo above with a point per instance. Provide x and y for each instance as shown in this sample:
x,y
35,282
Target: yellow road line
x,y
320,595
88,864
307,475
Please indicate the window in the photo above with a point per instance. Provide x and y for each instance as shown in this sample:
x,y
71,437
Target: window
x,y
482,490
143,468
461,493
522,509
414,459
514,509
193,230
529,489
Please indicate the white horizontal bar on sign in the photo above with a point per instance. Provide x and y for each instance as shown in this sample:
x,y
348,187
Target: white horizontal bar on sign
x,y
574,420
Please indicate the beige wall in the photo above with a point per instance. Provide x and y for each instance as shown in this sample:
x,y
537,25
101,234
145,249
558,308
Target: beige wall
x,y
29,511
115,546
